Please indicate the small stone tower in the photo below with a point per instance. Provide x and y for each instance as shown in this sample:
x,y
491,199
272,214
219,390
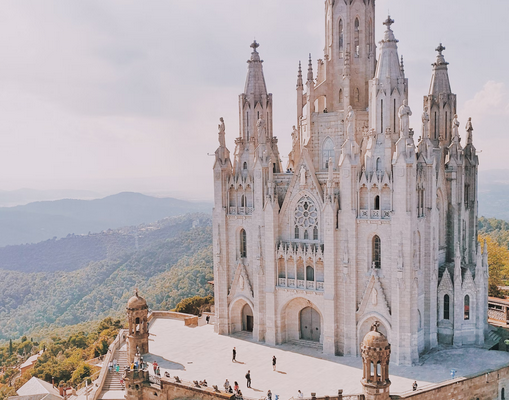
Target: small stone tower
x,y
137,339
375,352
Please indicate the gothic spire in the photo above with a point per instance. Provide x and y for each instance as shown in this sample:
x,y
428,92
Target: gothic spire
x,y
440,78
389,65
299,76
255,81
310,69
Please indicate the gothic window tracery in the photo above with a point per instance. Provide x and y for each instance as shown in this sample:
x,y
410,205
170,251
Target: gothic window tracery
x,y
466,308
306,219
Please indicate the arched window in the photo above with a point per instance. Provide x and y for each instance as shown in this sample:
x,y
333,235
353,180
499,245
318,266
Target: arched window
x,y
244,166
243,244
357,95
310,273
296,232
382,115
370,35
446,306
340,99
467,308
378,164
328,152
377,203
376,252
340,39
502,394
243,201
315,233
306,235
356,37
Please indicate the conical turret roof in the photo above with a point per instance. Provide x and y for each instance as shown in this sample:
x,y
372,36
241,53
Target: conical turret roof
x,y
255,81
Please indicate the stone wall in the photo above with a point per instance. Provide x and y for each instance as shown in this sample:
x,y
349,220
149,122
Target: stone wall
x,y
486,386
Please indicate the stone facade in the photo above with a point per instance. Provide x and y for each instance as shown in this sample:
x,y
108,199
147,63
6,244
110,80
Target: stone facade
x,y
363,223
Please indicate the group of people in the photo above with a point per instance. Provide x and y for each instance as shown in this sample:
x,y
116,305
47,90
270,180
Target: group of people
x,y
236,390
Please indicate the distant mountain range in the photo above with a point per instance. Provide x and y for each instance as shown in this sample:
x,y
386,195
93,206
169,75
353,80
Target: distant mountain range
x,y
83,278
43,220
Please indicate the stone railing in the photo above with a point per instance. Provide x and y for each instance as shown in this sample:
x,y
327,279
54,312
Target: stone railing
x,y
240,210
374,214
189,319
300,284
498,310
339,396
117,343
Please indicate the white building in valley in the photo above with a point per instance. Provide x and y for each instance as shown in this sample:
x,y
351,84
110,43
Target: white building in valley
x,y
367,222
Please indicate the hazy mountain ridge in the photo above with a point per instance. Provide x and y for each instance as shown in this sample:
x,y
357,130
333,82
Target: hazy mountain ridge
x,y
39,221
494,194
165,269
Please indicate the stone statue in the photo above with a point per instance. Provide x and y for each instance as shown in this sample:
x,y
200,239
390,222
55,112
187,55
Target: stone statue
x,y
241,282
455,126
329,165
350,123
404,114
425,123
221,133
469,129
295,136
260,124
374,297
302,176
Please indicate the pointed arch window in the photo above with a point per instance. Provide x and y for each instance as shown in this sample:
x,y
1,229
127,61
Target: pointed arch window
x,y
328,152
370,36
377,203
310,273
357,95
315,233
376,252
296,232
446,306
243,201
306,235
466,308
340,99
340,38
356,37
244,166
378,164
243,243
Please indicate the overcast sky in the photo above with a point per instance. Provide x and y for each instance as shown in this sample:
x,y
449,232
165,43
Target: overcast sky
x,y
126,95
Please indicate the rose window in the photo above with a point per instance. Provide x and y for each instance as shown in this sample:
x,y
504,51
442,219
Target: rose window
x,y
306,220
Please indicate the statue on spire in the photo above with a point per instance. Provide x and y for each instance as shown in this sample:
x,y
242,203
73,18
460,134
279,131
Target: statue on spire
x,y
404,114
425,123
262,136
350,121
221,133
469,129
455,128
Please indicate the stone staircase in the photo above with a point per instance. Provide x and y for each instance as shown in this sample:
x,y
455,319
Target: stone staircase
x,y
307,343
492,339
112,381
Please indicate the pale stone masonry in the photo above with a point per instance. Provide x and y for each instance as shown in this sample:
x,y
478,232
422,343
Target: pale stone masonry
x,y
366,222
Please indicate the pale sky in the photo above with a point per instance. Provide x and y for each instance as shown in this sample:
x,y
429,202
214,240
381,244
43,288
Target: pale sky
x,y
126,95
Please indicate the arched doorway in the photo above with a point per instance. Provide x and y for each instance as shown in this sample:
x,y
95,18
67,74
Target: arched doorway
x,y
310,324
247,318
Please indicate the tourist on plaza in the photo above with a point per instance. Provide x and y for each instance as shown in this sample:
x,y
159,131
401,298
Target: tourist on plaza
x,y
207,318
414,386
226,386
274,363
269,395
300,395
236,387
158,371
248,378
110,365
114,363
234,354
239,395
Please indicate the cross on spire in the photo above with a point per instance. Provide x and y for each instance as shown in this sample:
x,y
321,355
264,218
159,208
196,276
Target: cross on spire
x,y
388,22
254,45
440,49
375,326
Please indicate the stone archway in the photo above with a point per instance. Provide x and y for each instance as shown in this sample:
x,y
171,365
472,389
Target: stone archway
x,y
298,318
241,316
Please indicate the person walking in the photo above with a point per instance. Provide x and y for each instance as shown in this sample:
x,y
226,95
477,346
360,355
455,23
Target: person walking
x,y
236,387
274,363
248,378
207,318
226,386
300,395
234,355
414,386
269,395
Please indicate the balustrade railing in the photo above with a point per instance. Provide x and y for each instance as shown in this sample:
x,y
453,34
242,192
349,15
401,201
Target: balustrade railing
x,y
240,210
374,214
301,284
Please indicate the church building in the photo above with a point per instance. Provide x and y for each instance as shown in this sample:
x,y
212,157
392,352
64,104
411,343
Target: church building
x,y
369,220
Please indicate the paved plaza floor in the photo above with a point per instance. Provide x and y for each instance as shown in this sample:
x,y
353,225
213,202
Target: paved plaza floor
x,y
198,353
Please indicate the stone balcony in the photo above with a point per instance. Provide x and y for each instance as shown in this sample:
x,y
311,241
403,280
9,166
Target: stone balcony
x,y
374,214
240,210
301,284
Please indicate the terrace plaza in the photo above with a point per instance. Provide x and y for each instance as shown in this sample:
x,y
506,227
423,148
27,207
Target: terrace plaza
x,y
197,353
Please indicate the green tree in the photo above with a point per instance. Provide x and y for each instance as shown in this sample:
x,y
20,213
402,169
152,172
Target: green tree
x,y
195,305
498,263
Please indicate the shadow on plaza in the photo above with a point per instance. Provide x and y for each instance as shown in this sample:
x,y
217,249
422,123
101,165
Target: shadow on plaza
x,y
163,362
